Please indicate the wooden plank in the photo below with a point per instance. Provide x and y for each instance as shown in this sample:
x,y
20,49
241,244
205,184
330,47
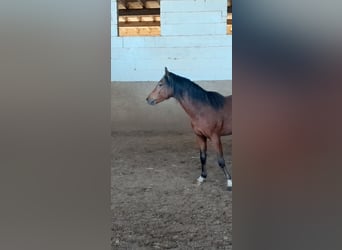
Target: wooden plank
x,y
147,19
152,4
139,31
121,5
229,29
144,3
132,19
135,5
122,19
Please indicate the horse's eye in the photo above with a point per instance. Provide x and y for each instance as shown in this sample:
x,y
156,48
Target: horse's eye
x,y
160,84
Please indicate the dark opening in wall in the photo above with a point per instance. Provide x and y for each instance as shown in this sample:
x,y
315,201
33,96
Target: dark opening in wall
x,y
229,17
138,17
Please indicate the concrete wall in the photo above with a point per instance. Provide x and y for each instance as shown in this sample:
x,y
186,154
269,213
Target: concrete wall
x,y
193,43
130,111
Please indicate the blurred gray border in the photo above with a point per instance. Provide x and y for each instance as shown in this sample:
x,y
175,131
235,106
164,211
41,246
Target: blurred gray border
x,y
55,125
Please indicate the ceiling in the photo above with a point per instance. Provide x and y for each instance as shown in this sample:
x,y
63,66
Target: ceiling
x,y
138,4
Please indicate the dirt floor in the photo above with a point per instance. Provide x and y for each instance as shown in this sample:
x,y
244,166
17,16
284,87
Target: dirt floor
x,y
156,203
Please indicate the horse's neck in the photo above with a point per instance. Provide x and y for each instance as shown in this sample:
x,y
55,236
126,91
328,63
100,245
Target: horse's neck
x,y
189,107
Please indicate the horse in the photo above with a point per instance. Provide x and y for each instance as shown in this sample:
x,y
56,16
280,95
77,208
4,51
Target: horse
x,y
210,114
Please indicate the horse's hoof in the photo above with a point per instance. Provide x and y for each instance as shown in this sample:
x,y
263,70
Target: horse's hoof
x,y
200,180
230,185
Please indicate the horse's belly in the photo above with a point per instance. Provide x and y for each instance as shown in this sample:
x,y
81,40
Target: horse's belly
x,y
208,131
227,129
199,129
212,125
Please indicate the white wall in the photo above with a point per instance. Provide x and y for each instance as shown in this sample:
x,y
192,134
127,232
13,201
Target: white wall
x,y
193,43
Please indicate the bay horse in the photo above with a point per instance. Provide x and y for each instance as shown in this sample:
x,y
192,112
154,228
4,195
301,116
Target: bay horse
x,y
210,114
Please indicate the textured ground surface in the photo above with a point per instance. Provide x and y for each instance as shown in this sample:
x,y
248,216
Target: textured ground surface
x,y
155,201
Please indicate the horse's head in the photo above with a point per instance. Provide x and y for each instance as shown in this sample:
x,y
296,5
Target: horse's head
x,y
162,91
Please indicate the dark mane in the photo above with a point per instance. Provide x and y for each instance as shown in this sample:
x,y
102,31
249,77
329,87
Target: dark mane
x,y
182,86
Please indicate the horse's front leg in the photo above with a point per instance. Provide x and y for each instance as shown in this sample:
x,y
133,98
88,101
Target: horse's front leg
x,y
216,140
202,142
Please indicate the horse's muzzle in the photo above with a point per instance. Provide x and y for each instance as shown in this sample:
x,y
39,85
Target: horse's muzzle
x,y
150,101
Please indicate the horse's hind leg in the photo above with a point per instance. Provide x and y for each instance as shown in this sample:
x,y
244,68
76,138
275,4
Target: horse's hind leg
x,y
222,164
220,160
202,142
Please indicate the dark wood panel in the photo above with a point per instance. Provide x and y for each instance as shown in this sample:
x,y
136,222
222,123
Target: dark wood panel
x,y
139,12
139,24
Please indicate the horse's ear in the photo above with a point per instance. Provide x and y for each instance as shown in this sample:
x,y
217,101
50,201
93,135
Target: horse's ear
x,y
166,71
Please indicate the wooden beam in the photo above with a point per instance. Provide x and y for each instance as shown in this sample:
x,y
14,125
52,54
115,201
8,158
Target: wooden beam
x,y
139,12
132,19
229,30
135,5
140,24
152,4
121,5
147,18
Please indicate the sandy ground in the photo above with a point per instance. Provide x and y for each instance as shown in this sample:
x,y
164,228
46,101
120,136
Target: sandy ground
x,y
156,203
